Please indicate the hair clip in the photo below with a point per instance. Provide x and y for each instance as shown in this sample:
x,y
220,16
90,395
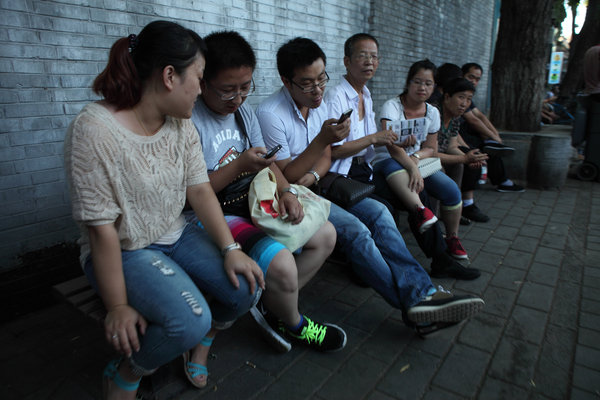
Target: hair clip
x,y
133,41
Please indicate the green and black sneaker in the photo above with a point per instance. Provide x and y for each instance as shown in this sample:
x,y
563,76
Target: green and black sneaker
x,y
322,337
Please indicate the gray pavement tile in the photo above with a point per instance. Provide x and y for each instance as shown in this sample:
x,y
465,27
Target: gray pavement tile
x,y
589,338
556,228
376,395
479,233
587,357
439,343
514,361
532,231
548,256
435,393
518,212
525,243
540,209
543,273
463,370
560,217
410,375
497,246
578,394
589,274
505,232
290,386
527,324
552,376
354,294
590,321
513,221
369,315
486,261
593,239
483,331
355,379
390,339
595,246
476,286
332,361
494,389
508,278
553,241
244,383
586,379
499,301
517,259
590,306
537,296
566,305
572,268
537,219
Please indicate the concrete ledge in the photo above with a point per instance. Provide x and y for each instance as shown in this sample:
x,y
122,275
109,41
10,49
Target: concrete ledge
x,y
540,159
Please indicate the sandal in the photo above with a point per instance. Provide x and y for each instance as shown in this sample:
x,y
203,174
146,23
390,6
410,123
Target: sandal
x,y
111,375
192,370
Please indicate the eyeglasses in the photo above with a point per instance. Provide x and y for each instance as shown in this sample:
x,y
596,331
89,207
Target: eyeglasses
x,y
419,82
227,96
362,57
312,87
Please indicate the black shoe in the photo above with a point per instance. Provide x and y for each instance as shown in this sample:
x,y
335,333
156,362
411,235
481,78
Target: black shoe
x,y
464,221
510,189
473,213
453,269
268,326
321,337
444,307
497,149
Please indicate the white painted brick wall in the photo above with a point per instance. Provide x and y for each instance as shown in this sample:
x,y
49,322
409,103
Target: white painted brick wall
x,y
51,50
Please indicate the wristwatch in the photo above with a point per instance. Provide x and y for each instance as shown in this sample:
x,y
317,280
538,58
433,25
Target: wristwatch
x,y
291,190
415,155
316,175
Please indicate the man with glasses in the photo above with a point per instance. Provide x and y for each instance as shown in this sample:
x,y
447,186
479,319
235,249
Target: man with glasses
x,y
353,155
296,118
233,149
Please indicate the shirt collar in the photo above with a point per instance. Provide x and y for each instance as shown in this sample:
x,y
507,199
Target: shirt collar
x,y
351,93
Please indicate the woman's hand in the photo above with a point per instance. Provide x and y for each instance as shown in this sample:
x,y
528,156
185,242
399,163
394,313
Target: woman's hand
x,y
120,328
385,137
475,156
237,262
408,142
415,180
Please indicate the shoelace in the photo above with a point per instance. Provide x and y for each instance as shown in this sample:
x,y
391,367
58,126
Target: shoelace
x,y
313,332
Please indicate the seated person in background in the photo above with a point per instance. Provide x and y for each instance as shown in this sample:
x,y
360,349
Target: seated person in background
x,y
233,145
296,118
352,155
591,72
399,165
460,162
478,131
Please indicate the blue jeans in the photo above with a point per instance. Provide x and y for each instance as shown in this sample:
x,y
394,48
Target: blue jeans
x,y
438,185
369,237
165,284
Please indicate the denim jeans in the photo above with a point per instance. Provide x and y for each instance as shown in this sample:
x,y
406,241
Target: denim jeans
x,y
165,283
369,237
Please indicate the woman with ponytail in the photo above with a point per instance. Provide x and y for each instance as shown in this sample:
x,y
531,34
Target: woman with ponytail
x,y
132,160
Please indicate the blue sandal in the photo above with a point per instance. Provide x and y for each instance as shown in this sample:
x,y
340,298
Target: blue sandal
x,y
111,374
192,370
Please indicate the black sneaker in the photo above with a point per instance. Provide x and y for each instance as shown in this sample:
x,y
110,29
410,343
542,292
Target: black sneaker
x,y
444,307
464,221
321,337
496,149
514,188
453,269
268,327
473,213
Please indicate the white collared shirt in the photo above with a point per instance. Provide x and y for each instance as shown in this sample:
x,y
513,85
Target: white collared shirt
x,y
339,99
282,123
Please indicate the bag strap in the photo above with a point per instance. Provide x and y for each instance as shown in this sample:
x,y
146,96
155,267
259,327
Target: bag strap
x,y
242,125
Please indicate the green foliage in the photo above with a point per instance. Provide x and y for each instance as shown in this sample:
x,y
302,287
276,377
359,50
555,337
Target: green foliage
x,y
559,13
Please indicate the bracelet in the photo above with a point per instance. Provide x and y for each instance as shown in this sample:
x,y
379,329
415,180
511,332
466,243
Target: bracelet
x,y
415,155
316,175
230,247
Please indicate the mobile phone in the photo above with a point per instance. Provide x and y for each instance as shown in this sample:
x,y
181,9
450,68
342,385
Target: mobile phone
x,y
273,151
345,115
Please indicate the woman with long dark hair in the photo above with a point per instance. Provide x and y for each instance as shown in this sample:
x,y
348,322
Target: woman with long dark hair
x,y
132,160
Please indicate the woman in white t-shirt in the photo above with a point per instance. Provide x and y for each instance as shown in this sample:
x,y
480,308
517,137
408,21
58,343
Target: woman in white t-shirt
x,y
398,162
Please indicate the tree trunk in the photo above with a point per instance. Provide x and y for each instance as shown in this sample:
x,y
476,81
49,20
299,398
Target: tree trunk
x,y
519,67
589,36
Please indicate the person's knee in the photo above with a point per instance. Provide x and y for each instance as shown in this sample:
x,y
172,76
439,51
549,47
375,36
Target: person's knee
x,y
188,326
324,239
283,273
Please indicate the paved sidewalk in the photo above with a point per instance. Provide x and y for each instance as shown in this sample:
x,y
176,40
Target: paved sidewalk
x,y
538,336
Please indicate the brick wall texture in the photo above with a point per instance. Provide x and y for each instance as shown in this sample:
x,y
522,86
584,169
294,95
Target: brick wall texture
x,y
51,50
